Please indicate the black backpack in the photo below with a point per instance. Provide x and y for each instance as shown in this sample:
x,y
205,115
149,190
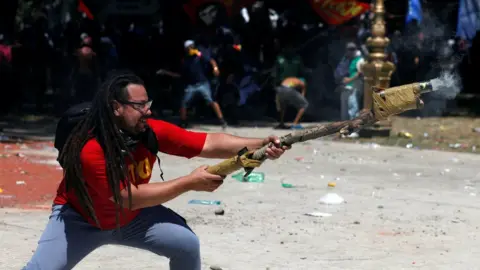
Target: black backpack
x,y
68,121
78,112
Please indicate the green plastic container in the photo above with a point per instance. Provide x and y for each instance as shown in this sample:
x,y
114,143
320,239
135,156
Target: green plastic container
x,y
204,202
254,177
287,185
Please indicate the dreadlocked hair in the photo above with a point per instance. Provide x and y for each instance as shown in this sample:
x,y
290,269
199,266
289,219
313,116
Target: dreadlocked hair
x,y
99,124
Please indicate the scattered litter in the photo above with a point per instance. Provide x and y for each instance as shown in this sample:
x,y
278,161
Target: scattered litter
x,y
473,194
446,170
373,145
404,134
23,172
298,159
353,135
214,267
455,145
477,129
20,183
396,174
7,197
380,207
356,222
219,212
20,155
322,176
418,174
1,190
318,214
50,149
331,198
409,146
52,162
204,202
332,184
469,188
474,148
455,160
288,185
253,177
425,135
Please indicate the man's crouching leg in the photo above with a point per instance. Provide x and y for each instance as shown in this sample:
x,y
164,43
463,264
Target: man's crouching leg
x,y
66,240
163,232
301,103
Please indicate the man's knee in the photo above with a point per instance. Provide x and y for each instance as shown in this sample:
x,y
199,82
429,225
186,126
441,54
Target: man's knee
x,y
187,246
207,97
301,103
304,105
209,101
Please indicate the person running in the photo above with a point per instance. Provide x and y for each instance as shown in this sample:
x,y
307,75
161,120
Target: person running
x,y
193,74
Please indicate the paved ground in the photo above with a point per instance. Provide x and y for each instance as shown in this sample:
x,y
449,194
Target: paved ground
x,y
404,209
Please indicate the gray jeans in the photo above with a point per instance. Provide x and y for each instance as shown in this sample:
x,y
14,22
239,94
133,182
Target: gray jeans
x,y
68,238
289,96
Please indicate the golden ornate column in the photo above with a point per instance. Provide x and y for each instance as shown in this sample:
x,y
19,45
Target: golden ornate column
x,y
377,71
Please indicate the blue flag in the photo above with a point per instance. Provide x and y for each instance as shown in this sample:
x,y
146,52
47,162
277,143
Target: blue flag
x,y
468,19
414,11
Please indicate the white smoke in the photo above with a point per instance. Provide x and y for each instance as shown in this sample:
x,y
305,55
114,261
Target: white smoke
x,y
448,85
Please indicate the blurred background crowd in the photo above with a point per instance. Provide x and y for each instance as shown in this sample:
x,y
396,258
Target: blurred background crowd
x,y
239,60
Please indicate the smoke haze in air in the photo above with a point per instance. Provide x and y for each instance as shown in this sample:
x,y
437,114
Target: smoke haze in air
x,y
448,85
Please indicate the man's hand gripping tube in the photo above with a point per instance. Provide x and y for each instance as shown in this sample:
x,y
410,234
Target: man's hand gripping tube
x,y
249,160
242,160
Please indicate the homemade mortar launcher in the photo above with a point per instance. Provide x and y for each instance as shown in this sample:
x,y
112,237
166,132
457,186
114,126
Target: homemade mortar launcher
x,y
386,102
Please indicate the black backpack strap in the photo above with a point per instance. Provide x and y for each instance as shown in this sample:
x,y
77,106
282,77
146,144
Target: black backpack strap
x,y
149,140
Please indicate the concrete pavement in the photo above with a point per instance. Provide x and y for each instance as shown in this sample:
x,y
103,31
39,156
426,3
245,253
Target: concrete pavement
x,y
404,209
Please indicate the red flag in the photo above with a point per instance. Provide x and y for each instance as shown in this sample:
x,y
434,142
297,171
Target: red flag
x,y
83,8
338,11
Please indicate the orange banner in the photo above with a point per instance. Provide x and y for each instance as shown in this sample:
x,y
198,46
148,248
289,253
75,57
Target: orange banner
x,y
338,11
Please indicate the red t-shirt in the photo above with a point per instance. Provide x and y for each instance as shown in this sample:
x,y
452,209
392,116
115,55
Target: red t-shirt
x,y
171,140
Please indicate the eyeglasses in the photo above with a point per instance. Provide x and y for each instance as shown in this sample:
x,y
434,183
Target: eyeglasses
x,y
139,105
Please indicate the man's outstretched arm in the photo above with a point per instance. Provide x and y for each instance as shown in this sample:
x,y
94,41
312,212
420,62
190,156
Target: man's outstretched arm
x,y
222,145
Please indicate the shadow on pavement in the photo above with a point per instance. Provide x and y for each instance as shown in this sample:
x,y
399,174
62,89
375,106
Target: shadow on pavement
x,y
28,127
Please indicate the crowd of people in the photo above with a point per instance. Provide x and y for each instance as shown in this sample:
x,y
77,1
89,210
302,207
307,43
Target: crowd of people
x,y
240,73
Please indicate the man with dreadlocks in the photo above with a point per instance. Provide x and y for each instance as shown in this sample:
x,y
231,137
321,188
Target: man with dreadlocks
x,y
105,196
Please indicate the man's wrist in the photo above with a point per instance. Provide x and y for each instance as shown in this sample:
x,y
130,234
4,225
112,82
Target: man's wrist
x,y
185,182
264,142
